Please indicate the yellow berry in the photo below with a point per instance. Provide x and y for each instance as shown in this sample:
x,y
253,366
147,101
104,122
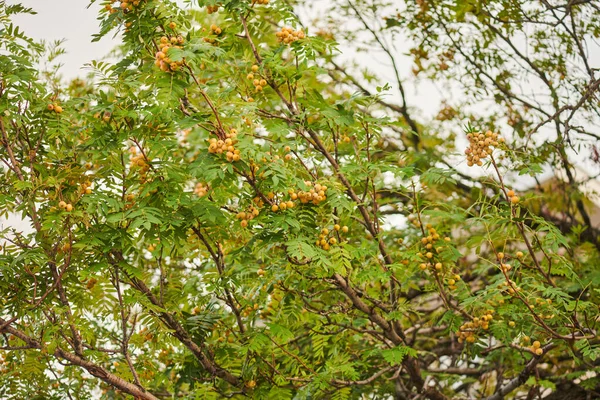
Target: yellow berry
x,y
539,352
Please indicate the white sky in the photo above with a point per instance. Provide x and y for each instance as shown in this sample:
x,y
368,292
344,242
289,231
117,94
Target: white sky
x,y
70,20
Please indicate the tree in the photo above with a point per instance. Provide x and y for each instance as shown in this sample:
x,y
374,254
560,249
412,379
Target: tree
x,y
230,211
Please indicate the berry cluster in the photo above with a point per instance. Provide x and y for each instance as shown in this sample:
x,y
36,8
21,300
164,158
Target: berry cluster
x,y
246,216
467,331
327,238
288,35
514,199
282,205
429,243
86,187
68,207
263,2
161,59
259,84
212,9
91,283
480,146
315,195
258,202
125,5
510,286
215,29
536,348
130,201
55,107
138,161
218,146
201,189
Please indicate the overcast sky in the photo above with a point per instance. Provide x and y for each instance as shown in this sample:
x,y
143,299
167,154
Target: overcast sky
x,y
69,20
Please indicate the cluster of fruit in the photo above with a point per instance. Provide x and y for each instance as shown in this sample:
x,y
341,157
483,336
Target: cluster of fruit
x,y
259,84
326,238
258,202
428,243
68,207
212,9
215,29
125,5
161,58
536,348
282,205
263,2
288,35
412,218
467,331
130,201
138,161
200,189
55,107
249,310
86,187
227,146
514,199
480,146
246,216
510,287
91,283
316,194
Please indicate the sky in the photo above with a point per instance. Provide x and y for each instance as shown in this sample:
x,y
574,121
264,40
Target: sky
x,y
70,20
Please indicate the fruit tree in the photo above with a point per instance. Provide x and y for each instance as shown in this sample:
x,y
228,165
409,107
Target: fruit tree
x,y
240,204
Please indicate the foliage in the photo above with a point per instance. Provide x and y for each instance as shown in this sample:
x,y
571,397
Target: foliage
x,y
228,210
